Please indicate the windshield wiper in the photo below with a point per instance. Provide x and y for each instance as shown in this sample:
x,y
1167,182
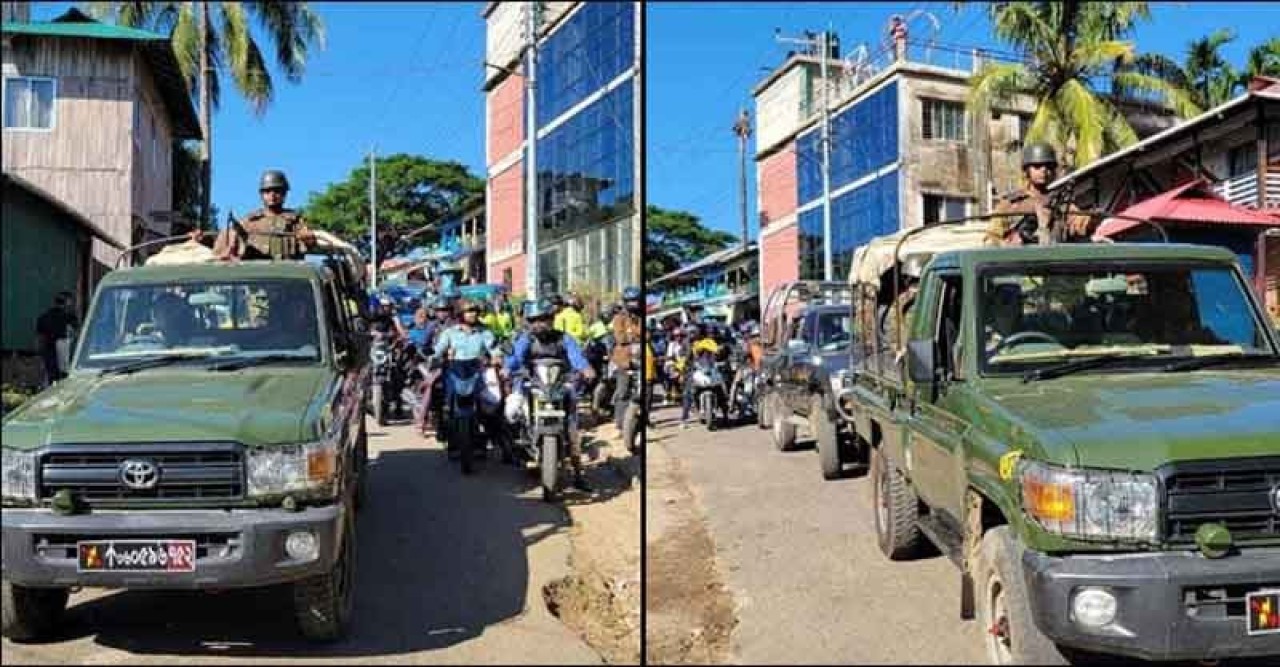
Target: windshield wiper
x,y
1050,372
238,364
1196,363
154,362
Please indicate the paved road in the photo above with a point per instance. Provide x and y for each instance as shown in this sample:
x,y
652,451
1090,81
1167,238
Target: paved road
x,y
451,570
800,558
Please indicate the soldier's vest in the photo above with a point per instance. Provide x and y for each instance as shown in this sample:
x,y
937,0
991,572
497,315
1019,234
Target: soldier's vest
x,y
552,348
264,231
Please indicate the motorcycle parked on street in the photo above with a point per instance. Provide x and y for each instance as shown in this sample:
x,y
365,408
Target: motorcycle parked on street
x,y
381,354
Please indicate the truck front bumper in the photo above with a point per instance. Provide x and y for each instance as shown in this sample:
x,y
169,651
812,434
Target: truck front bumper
x,y
234,548
1170,605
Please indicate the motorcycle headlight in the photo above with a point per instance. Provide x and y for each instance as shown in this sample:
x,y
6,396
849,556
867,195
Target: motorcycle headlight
x,y
307,468
17,475
379,356
838,381
1085,503
548,374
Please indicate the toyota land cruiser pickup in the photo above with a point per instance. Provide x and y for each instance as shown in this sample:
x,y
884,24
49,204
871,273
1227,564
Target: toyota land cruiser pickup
x,y
1092,434
210,435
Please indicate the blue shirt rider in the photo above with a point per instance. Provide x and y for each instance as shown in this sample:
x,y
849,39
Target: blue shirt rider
x,y
541,340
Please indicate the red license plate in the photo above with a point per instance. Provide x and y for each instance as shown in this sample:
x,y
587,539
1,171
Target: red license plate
x,y
1264,612
136,556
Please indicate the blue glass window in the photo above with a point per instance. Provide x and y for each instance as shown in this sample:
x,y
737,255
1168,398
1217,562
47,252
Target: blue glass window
x,y
864,138
856,218
586,168
591,49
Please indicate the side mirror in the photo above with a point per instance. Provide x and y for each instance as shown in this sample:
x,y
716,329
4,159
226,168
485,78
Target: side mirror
x,y
920,361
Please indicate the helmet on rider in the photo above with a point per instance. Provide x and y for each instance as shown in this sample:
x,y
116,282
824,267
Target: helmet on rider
x,y
470,311
631,299
538,315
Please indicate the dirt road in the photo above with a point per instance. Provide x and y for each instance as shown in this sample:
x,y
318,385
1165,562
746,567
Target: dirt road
x,y
452,569
799,558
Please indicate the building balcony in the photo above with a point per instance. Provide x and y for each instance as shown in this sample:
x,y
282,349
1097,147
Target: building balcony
x,y
1243,190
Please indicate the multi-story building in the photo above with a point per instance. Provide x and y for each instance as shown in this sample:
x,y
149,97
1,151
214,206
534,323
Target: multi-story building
x,y
722,285
91,114
905,151
587,88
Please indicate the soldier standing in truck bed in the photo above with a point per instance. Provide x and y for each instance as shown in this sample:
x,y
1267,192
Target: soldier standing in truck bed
x,y
1039,166
272,231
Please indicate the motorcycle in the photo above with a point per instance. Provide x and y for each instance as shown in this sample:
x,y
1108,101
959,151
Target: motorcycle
x,y
601,388
543,422
459,424
380,353
709,388
742,397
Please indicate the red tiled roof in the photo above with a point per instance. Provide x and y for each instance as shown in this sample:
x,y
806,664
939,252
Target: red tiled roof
x,y
1193,203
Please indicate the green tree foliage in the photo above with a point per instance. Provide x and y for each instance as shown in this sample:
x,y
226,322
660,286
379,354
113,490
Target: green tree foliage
x,y
1205,73
1069,48
413,192
676,238
187,191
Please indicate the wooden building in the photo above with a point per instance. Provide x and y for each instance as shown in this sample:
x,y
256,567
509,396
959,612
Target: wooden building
x,y
91,115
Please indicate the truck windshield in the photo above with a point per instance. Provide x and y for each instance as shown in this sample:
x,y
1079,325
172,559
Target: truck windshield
x,y
1045,315
193,320
833,331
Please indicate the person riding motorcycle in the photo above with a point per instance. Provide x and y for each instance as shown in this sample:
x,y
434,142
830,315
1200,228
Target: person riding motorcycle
x,y
702,342
467,340
542,341
628,329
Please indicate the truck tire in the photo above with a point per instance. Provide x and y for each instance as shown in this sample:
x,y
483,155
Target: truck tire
x,y
1010,633
784,432
895,506
362,465
827,436
322,602
31,614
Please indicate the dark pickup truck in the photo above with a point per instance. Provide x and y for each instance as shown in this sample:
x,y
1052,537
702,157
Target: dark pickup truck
x,y
1092,434
808,336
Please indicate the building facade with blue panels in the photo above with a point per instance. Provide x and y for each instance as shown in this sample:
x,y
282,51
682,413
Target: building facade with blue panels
x,y
587,160
865,181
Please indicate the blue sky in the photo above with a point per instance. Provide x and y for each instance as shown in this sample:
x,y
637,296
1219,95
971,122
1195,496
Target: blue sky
x,y
702,59
405,77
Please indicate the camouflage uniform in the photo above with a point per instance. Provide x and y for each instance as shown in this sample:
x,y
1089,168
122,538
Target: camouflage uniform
x,y
257,237
1015,206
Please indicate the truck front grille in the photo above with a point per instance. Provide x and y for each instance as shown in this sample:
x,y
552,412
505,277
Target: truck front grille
x,y
201,472
1237,493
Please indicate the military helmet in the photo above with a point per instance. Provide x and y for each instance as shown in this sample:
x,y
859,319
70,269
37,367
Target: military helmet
x,y
1038,153
273,178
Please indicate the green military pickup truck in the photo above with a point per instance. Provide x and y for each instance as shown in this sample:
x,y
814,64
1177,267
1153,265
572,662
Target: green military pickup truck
x,y
210,435
1090,432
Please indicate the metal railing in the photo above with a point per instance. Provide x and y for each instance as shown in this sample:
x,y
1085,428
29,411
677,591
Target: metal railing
x,y
1243,190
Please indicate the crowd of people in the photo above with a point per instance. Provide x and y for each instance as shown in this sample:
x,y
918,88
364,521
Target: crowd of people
x,y
677,345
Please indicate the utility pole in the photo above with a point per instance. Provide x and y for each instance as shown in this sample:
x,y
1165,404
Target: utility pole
x,y
823,43
373,216
531,149
742,128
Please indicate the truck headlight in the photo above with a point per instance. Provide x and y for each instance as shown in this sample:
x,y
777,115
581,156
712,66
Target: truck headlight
x,y
17,475
306,467
1091,503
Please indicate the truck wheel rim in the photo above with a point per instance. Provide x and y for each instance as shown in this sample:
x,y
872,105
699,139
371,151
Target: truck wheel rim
x,y
999,639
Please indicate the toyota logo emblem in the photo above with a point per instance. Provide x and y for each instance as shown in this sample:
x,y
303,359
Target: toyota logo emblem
x,y
139,474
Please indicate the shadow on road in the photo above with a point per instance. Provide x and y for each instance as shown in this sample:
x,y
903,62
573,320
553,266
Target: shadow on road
x,y
441,557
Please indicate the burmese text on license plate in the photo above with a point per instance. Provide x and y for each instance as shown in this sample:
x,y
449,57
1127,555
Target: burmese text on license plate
x,y
137,555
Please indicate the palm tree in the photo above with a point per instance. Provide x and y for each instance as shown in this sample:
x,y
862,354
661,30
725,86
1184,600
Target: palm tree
x,y
1210,79
1264,60
1069,49
223,29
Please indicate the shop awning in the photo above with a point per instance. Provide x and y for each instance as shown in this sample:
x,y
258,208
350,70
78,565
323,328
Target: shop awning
x,y
1192,203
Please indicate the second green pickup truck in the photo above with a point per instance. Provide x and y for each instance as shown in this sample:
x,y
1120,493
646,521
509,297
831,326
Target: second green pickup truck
x,y
1090,432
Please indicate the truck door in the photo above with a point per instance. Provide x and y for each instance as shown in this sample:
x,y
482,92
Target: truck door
x,y
935,432
797,355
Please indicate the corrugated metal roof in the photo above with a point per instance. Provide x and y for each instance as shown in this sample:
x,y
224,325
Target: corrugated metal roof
x,y
717,257
1192,202
156,48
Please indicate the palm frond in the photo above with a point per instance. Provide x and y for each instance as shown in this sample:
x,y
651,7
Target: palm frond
x,y
1046,125
1264,60
243,58
996,83
1022,25
1082,108
1144,87
1092,55
293,28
